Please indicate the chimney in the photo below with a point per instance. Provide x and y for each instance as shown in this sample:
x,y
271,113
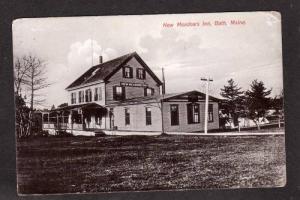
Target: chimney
x,y
164,82
100,59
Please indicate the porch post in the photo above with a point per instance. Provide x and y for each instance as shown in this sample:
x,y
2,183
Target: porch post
x,y
62,115
57,121
42,121
82,119
105,120
71,113
162,117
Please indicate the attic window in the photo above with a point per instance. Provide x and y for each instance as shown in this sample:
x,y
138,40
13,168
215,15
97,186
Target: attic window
x,y
148,91
140,73
127,72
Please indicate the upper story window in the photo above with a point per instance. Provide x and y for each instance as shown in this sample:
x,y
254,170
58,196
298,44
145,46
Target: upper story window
x,y
98,94
81,96
73,98
210,113
148,92
140,73
88,95
193,113
118,93
174,115
127,72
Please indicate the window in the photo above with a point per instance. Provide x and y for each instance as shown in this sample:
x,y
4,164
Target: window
x,y
140,73
148,116
127,72
193,113
98,94
210,113
118,93
174,115
88,95
148,92
73,98
127,116
81,96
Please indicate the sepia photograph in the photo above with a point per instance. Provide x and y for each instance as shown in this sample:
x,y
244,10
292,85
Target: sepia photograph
x,y
149,102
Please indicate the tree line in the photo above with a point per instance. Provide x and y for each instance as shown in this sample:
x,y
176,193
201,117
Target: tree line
x,y
29,78
252,103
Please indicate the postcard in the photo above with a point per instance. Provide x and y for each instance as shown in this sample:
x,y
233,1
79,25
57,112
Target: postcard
x,y
149,102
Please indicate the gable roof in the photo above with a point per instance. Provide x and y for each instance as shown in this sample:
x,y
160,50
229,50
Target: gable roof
x,y
107,69
193,92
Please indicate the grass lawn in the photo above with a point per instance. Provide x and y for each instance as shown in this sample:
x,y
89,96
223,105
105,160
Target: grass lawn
x,y
122,163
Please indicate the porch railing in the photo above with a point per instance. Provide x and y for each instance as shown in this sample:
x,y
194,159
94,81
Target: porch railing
x,y
63,126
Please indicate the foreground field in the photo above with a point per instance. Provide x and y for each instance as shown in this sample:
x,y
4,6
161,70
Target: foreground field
x,y
118,163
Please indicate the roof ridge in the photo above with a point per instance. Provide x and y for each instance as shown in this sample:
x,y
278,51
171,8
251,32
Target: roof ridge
x,y
97,67
89,73
117,58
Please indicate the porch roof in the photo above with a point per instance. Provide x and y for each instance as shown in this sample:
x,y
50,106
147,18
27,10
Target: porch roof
x,y
81,106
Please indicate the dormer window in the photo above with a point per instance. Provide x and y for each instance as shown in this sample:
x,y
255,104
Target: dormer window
x,y
148,92
140,73
127,72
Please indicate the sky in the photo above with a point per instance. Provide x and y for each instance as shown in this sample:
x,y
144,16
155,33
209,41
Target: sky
x,y
246,51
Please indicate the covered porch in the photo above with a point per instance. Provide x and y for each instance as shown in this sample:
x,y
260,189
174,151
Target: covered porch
x,y
84,117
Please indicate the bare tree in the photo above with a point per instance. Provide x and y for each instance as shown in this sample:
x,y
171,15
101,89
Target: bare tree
x,y
29,74
35,79
20,69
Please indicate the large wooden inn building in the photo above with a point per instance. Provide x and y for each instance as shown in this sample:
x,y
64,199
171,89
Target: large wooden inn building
x,y
124,94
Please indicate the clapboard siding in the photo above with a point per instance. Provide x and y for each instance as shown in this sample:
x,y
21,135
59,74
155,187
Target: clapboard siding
x,y
131,92
137,118
183,122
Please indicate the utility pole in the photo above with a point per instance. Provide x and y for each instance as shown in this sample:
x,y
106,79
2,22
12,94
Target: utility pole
x,y
164,82
207,80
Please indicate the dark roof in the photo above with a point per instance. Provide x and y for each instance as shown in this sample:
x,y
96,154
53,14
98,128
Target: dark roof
x,y
83,106
192,92
105,70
